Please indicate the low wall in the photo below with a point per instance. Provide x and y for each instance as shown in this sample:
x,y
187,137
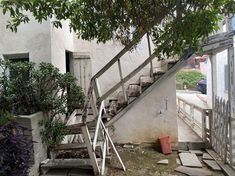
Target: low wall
x,y
39,149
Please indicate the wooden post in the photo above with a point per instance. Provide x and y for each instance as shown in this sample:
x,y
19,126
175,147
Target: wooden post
x,y
112,145
204,125
150,53
192,115
91,153
121,77
231,90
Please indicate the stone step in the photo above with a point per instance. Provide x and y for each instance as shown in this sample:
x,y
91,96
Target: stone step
x,y
121,100
76,128
171,63
75,146
134,90
66,164
145,81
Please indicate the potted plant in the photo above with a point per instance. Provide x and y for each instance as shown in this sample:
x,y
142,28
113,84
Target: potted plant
x,y
43,96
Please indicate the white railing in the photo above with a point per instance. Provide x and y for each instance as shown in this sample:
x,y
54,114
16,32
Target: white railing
x,y
196,117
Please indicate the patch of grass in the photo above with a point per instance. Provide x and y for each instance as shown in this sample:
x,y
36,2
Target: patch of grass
x,y
188,79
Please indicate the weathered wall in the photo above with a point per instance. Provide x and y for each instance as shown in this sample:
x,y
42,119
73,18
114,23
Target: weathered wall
x,y
39,149
101,54
150,118
61,41
32,38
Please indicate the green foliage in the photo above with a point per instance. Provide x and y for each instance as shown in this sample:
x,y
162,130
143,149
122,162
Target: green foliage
x,y
188,79
5,117
26,90
174,25
52,134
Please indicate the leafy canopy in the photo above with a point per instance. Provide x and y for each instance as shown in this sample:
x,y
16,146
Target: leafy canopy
x,y
174,24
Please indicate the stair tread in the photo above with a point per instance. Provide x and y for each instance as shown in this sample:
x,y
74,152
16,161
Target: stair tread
x,y
74,146
66,163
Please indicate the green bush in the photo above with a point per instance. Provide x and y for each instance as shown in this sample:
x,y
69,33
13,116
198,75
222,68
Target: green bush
x,y
188,79
25,90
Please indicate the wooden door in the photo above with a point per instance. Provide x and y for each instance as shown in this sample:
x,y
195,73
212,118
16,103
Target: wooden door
x,y
82,70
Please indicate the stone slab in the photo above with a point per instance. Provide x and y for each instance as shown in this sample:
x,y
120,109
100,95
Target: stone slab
x,y
206,156
197,152
212,164
178,161
193,171
189,159
163,162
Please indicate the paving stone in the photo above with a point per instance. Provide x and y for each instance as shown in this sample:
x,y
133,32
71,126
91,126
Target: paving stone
x,y
190,159
163,162
178,161
197,152
193,171
183,151
212,164
206,156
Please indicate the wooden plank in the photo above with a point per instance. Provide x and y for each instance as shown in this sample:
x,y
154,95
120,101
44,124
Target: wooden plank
x,y
193,171
92,155
74,146
127,78
228,170
189,159
212,164
66,163
218,47
206,156
217,38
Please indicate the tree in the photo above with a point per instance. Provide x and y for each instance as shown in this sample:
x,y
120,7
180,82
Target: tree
x,y
174,24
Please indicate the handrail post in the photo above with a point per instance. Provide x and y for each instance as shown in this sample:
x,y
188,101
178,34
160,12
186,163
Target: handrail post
x,y
192,115
121,77
150,53
204,125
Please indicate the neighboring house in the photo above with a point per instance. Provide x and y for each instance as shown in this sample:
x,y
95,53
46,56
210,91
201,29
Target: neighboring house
x,y
155,113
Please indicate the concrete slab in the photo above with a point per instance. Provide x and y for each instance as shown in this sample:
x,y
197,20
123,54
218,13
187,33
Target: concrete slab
x,y
193,171
197,152
206,156
185,133
212,164
190,159
163,162
178,161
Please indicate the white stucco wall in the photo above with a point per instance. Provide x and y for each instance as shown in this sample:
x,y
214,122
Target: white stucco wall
x,y
101,54
61,40
32,38
150,118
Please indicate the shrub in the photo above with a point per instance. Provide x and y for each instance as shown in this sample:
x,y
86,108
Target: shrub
x,y
188,79
15,150
26,90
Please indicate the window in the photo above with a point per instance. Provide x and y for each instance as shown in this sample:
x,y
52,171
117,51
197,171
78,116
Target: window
x,y
14,58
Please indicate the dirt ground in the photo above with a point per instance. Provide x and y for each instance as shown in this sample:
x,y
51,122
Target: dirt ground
x,y
142,161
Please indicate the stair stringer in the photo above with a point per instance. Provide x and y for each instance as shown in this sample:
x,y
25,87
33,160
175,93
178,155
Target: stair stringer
x,y
152,114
